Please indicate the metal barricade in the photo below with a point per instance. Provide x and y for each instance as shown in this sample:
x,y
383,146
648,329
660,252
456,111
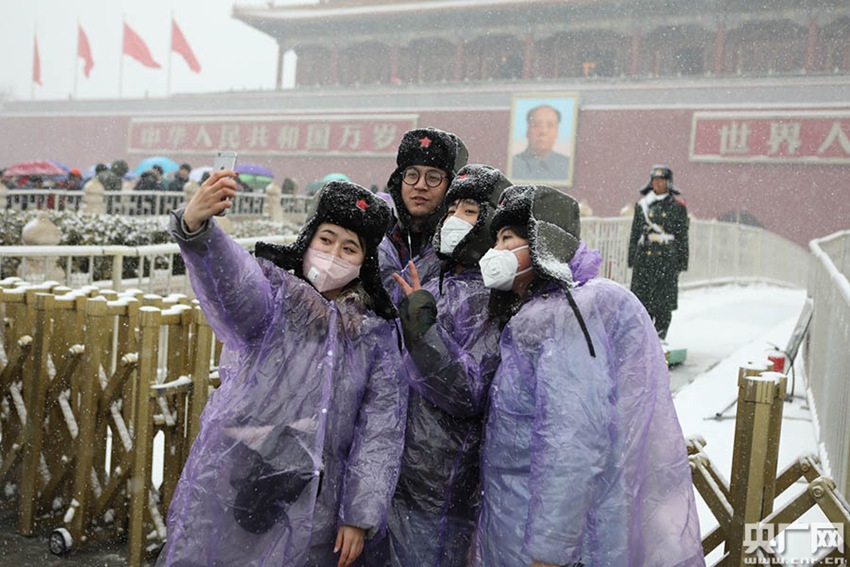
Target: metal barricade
x,y
828,351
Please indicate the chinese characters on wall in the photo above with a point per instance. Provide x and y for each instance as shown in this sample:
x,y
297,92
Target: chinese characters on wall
x,y
327,135
768,137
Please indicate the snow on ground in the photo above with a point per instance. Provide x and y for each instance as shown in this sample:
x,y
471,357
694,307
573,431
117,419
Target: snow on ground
x,y
724,328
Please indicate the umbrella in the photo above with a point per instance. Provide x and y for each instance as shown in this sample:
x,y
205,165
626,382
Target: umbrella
x,y
60,164
196,174
167,165
253,169
255,182
313,187
45,168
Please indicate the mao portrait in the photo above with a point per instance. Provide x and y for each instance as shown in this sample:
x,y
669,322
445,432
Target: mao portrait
x,y
543,139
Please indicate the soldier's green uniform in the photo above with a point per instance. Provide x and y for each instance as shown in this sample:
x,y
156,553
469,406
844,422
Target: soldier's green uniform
x,y
658,249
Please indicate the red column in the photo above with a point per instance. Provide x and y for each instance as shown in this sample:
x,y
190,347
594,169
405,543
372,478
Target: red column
x,y
719,48
459,60
811,47
528,58
634,69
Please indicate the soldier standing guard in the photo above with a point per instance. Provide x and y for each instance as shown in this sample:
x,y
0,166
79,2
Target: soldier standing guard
x,y
658,247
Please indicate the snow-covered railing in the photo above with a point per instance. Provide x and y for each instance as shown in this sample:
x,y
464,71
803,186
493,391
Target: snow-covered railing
x,y
719,253
828,351
154,269
144,203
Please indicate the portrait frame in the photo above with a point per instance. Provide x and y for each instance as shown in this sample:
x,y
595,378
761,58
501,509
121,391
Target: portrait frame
x,y
554,170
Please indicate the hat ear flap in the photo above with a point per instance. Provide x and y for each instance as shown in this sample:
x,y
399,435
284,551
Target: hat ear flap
x,y
554,241
558,223
370,278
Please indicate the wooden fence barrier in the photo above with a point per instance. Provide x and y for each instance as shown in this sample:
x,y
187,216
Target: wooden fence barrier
x,y
16,353
744,506
91,378
17,306
51,418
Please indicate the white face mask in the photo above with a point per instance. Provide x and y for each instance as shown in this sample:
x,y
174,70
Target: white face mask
x,y
453,231
499,268
326,271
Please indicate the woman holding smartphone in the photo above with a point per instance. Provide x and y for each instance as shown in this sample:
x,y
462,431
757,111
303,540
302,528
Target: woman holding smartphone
x,y
299,448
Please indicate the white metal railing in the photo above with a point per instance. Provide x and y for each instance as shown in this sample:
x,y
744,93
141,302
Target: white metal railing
x,y
719,253
145,203
156,268
828,351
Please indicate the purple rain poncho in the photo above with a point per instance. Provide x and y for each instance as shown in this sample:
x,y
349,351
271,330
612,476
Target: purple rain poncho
x,y
584,459
427,264
449,369
298,371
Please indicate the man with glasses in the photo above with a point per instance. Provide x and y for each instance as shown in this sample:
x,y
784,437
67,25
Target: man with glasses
x,y
427,160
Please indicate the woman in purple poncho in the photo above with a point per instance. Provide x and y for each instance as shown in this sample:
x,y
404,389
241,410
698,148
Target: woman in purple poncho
x,y
299,448
583,461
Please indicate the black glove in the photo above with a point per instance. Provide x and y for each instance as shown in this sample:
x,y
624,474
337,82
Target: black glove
x,y
418,313
270,480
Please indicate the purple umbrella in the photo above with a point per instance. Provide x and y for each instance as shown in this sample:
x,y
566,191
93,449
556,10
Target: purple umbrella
x,y
253,169
60,164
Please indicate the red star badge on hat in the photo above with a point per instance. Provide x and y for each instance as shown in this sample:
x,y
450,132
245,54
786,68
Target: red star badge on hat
x,y
424,142
361,204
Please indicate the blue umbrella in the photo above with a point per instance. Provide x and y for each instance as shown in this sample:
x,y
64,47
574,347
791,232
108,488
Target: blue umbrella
x,y
167,165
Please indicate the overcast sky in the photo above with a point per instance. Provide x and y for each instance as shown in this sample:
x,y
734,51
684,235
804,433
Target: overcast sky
x,y
232,55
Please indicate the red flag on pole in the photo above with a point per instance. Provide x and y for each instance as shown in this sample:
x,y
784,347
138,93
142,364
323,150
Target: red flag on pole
x,y
84,50
181,46
135,47
36,63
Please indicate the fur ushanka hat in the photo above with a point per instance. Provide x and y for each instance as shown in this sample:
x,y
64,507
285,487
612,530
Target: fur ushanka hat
x,y
663,172
430,147
482,184
552,221
353,207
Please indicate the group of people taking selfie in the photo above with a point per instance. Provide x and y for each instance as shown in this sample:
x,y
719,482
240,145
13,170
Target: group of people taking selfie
x,y
444,383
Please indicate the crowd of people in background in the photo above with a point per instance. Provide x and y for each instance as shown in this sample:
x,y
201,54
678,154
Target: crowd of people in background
x,y
115,176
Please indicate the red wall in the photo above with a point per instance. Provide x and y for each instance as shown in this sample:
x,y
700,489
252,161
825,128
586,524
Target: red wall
x,y
614,152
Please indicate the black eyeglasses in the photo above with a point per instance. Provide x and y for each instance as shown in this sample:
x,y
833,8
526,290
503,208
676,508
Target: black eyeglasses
x,y
433,178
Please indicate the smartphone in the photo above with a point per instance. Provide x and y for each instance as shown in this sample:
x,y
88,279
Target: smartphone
x,y
224,160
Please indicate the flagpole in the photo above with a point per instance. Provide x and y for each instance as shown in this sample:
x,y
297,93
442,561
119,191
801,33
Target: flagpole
x,y
77,63
170,54
34,42
121,66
